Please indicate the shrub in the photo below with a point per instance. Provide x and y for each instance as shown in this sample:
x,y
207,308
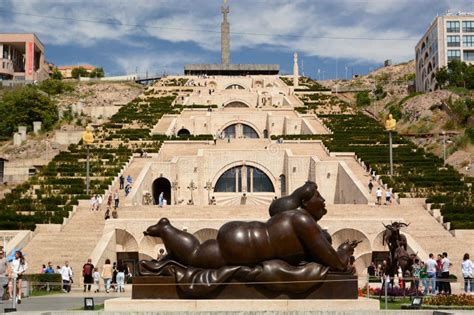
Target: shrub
x,y
363,99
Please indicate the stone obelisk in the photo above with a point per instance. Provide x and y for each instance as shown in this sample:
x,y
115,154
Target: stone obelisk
x,y
225,35
295,70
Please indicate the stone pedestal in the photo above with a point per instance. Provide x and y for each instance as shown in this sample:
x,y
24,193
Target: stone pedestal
x,y
334,286
37,126
17,139
267,305
22,132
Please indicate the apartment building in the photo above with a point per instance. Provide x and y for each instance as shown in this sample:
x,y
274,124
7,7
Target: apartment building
x,y
22,58
449,37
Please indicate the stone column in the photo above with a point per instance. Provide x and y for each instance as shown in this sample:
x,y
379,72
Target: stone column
x,y
22,132
17,139
37,126
225,35
295,70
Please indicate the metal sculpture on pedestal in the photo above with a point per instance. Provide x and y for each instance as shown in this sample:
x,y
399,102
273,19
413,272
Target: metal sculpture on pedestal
x,y
398,248
289,254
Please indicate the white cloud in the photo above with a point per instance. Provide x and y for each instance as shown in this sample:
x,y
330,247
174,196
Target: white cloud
x,y
184,22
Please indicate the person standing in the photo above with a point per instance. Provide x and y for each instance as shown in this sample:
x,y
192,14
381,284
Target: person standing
x,y
160,200
3,272
129,180
122,181
114,276
371,186
430,275
87,271
116,199
49,269
445,265
66,276
109,200
120,278
18,268
416,274
467,268
93,202
107,274
378,194
100,200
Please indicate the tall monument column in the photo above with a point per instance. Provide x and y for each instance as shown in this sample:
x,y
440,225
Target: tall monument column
x,y
295,70
225,35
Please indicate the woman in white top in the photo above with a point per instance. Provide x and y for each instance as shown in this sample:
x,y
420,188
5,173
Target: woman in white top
x,y
18,268
467,268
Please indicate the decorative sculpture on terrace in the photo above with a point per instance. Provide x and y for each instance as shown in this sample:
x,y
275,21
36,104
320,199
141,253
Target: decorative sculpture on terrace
x,y
289,253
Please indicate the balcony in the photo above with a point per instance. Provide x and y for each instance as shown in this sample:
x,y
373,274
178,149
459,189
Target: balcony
x,y
6,67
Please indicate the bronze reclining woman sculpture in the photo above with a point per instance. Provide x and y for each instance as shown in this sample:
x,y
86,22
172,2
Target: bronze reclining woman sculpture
x,y
291,242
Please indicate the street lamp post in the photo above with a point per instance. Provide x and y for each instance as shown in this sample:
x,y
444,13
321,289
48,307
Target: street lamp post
x,y
444,148
88,139
390,125
191,188
346,73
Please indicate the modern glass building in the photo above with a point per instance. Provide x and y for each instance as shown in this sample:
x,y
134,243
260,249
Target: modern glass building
x,y
449,37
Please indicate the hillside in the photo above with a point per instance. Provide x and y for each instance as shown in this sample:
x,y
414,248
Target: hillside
x,y
422,117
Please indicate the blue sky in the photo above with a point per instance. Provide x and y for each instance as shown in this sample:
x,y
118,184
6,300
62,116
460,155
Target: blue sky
x,y
162,35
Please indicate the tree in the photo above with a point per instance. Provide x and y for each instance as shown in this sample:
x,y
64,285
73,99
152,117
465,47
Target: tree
x,y
363,99
456,74
55,87
23,106
97,73
56,75
79,72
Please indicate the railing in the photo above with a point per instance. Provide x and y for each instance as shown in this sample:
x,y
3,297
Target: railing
x,y
6,66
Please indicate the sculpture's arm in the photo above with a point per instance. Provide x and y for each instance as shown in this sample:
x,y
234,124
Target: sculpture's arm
x,y
311,235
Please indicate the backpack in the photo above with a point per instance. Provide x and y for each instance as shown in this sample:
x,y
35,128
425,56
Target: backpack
x,y
87,270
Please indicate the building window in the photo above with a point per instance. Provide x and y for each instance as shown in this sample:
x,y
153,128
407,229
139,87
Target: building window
x,y
468,26
454,55
468,40
453,27
231,180
468,55
249,132
454,41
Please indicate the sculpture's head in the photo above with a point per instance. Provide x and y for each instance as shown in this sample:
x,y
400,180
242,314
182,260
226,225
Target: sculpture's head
x,y
316,205
155,230
294,201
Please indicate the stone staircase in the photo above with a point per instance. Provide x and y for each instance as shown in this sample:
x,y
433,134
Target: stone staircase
x,y
74,242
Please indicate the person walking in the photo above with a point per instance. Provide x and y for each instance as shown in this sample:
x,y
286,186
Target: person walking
x,y
100,200
378,194
114,276
127,190
445,265
129,180
109,200
388,197
122,181
371,186
87,271
93,202
107,274
116,199
120,278
18,268
66,276
3,273
96,277
467,267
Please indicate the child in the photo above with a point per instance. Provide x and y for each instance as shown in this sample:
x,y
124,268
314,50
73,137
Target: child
x,y
96,276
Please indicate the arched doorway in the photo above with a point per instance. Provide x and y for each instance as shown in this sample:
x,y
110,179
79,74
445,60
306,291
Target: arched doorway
x,y
162,185
240,130
183,132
